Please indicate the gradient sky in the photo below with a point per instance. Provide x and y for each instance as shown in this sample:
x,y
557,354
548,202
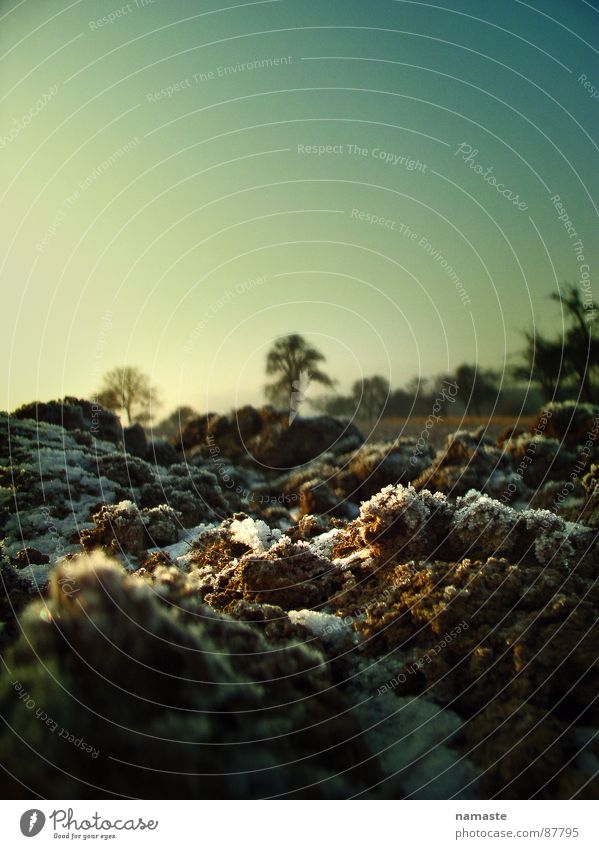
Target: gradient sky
x,y
201,232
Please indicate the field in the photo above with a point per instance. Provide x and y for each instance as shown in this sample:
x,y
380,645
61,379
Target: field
x,y
391,428
288,611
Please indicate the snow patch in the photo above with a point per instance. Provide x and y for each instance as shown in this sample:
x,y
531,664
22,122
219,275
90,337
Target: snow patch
x,y
254,533
332,630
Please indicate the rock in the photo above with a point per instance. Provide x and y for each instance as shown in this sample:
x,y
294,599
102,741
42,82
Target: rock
x,y
287,445
134,440
161,453
266,438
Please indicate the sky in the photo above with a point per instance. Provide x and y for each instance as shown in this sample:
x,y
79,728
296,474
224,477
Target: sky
x,y
403,183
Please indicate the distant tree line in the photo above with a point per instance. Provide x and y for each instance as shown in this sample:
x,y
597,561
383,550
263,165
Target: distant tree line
x,y
479,392
548,368
557,368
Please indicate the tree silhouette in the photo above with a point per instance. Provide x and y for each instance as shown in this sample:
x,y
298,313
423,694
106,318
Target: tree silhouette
x,y
340,406
571,359
580,349
476,387
543,363
173,424
293,363
127,389
371,395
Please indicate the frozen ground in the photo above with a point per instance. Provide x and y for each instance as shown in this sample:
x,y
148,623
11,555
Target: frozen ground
x,y
383,620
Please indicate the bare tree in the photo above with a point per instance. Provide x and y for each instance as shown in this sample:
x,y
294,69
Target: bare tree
x,y
128,390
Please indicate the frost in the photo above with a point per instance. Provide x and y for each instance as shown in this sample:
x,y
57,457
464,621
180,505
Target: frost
x,y
479,517
180,552
323,544
306,603
163,524
394,502
411,736
36,576
552,535
332,630
254,533
400,522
